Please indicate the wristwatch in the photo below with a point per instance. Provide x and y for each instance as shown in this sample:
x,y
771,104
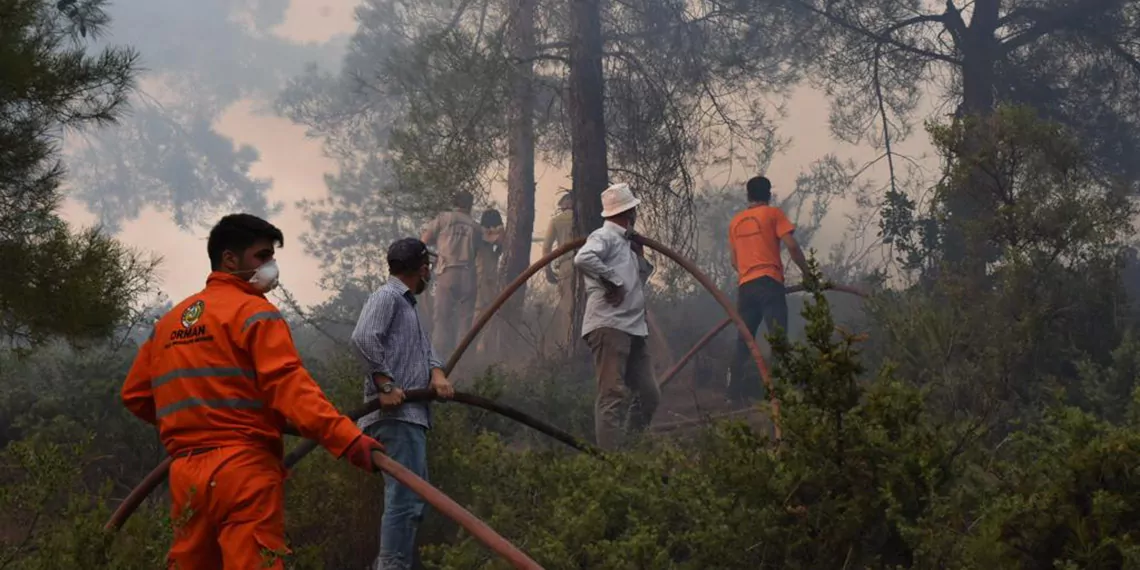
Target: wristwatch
x,y
387,387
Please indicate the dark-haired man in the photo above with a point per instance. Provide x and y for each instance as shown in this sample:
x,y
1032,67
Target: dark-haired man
x,y
399,357
754,236
219,376
456,237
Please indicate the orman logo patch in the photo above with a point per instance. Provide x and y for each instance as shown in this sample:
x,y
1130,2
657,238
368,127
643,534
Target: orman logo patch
x,y
192,313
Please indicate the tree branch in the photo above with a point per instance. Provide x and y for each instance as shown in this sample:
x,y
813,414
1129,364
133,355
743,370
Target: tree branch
x,y
1116,49
884,37
1046,22
883,113
458,15
291,301
954,24
618,38
541,57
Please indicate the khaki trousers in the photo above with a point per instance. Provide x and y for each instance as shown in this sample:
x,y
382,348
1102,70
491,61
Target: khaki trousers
x,y
454,308
627,392
559,335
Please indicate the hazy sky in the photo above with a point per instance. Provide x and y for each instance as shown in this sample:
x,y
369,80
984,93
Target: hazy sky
x,y
297,167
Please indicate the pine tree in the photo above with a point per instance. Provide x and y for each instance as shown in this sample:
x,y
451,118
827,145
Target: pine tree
x,y
56,281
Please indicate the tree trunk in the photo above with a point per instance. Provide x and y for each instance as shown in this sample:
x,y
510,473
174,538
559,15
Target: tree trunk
x,y
520,167
965,248
589,170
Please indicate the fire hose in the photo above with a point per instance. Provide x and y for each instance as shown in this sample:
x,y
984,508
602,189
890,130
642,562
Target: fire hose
x,y
704,340
308,446
432,495
455,512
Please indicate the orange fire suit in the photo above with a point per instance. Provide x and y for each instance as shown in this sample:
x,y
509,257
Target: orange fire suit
x,y
219,377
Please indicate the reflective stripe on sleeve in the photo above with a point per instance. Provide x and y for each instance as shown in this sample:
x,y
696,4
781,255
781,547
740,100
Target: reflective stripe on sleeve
x,y
180,405
201,373
262,316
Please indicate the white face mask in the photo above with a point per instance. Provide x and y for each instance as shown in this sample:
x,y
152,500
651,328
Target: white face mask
x,y
265,278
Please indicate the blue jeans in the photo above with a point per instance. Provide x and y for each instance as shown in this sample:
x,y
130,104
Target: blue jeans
x,y
407,445
759,300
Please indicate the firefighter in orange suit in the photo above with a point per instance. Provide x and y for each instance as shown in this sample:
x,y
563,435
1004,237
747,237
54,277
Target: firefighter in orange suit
x,y
220,377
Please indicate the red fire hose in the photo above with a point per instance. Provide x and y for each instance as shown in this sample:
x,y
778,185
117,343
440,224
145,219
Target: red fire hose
x,y
157,475
741,326
488,537
680,365
308,446
455,512
434,497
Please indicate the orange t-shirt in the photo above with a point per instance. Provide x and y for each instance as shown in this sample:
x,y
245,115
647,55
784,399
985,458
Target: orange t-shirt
x,y
754,236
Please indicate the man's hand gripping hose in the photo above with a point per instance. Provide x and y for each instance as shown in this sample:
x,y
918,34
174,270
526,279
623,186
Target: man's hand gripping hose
x,y
156,476
359,453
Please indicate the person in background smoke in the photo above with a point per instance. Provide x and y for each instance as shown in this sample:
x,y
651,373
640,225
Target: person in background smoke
x,y
219,376
487,270
614,325
754,236
560,231
399,357
456,237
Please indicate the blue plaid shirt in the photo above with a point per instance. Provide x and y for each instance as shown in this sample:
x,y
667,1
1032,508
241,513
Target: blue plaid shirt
x,y
389,339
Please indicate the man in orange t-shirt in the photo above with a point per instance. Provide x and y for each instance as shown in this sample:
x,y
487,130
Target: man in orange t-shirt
x,y
754,236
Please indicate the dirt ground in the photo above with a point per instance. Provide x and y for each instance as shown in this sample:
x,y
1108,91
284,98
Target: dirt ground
x,y
697,392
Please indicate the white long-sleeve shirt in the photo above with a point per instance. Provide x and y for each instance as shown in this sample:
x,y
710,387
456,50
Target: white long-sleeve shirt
x,y
608,256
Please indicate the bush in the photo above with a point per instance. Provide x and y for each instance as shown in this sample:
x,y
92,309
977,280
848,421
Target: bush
x,y
986,425
855,468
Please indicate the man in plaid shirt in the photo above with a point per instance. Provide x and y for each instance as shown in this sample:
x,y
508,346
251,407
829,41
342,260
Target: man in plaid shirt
x,y
399,356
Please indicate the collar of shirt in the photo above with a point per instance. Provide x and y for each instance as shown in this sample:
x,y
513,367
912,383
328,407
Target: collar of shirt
x,y
616,230
401,289
222,278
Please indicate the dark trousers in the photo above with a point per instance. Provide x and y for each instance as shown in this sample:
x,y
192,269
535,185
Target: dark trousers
x,y
758,300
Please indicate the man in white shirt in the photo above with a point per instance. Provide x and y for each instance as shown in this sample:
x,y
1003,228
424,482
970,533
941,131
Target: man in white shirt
x,y
615,272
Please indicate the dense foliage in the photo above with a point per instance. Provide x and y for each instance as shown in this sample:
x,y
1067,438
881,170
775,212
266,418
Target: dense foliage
x,y
867,476
57,281
983,422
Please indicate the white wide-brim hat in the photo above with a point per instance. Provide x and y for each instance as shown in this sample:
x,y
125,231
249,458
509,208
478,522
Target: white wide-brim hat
x,y
617,199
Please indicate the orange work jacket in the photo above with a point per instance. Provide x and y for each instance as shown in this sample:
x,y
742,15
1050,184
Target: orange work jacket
x,y
221,370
